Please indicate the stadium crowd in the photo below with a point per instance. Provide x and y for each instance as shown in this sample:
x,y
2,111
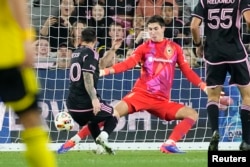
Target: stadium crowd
x,y
120,25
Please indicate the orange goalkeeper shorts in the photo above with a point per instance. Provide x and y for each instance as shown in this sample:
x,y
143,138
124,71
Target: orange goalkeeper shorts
x,y
158,106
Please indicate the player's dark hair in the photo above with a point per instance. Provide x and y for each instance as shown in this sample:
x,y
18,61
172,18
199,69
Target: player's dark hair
x,y
88,35
156,19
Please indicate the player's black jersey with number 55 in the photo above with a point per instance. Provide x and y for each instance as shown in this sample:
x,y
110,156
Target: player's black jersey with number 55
x,y
222,28
83,59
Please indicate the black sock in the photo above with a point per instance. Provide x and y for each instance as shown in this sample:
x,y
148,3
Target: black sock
x,y
94,129
110,124
245,121
213,115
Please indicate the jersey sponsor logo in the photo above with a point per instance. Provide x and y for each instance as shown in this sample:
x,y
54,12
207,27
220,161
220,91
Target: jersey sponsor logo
x,y
152,59
162,60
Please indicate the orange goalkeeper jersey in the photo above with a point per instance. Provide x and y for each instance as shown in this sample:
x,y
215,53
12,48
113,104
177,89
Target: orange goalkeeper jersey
x,y
11,44
158,62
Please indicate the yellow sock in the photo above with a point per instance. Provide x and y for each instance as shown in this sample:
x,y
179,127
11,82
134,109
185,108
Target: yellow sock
x,y
37,152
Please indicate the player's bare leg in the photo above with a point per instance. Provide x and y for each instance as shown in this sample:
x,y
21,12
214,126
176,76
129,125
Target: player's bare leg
x,y
81,134
84,132
120,109
213,94
102,140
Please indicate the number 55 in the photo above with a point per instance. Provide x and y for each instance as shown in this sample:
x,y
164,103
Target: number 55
x,y
223,19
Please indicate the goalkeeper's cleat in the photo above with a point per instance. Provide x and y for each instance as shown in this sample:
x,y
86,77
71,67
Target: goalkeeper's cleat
x,y
104,143
99,150
244,146
66,147
213,146
170,148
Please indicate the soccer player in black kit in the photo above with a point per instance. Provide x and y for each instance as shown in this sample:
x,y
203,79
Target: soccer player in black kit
x,y
83,102
224,53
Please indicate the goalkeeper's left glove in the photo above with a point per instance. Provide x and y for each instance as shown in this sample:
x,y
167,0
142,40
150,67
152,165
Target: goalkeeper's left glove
x,y
203,87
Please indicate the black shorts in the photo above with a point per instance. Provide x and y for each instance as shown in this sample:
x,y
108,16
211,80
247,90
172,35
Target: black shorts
x,y
18,88
84,117
239,72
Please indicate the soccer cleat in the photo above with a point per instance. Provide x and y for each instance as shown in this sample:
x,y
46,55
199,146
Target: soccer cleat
x,y
213,145
244,146
66,147
170,148
99,150
104,143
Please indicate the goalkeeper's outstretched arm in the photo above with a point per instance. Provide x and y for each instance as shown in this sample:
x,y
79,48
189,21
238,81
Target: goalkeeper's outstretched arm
x,y
127,64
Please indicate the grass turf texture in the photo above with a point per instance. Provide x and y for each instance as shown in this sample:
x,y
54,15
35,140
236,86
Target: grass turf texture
x,y
121,159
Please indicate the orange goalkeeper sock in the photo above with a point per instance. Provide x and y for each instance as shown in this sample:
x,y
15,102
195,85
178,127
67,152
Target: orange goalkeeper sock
x,y
84,132
37,151
181,129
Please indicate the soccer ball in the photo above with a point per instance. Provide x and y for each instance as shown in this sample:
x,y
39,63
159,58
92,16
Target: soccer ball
x,y
63,121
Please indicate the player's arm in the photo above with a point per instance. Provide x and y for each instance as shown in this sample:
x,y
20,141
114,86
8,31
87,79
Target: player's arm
x,y
127,64
187,71
195,30
192,76
245,11
246,15
19,11
197,40
89,65
197,17
89,86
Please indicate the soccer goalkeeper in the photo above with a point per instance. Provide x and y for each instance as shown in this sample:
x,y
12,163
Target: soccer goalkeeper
x,y
151,92
18,85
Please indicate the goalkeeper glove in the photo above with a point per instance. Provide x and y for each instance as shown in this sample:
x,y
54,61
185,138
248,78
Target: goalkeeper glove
x,y
105,71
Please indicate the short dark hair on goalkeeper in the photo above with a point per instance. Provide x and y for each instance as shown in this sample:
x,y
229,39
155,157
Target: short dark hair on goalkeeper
x,y
88,35
156,19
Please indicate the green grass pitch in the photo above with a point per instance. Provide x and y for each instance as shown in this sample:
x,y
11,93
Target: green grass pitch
x,y
121,159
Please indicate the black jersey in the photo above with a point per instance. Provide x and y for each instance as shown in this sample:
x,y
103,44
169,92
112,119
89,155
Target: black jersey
x,y
222,28
83,59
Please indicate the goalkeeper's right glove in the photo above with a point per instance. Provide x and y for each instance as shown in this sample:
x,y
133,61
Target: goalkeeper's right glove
x,y
105,71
